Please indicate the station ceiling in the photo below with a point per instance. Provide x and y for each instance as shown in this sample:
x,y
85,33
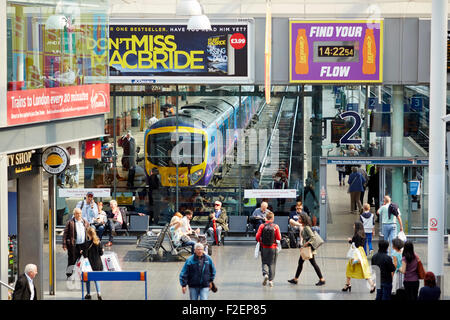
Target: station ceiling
x,y
280,8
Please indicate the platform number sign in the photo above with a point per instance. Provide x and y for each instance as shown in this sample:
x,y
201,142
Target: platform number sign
x,y
347,137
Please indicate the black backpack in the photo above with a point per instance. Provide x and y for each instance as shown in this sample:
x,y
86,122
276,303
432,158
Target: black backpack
x,y
393,210
268,234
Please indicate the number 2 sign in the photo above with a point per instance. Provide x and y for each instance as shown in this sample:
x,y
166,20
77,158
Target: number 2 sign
x,y
347,137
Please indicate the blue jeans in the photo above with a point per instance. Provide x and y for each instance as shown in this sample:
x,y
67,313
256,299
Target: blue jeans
x,y
88,287
368,241
389,234
384,293
199,293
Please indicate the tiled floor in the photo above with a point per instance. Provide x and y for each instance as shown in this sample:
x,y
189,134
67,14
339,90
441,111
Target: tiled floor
x,y
239,273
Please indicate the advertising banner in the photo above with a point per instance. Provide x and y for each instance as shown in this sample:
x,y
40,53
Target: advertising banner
x,y
336,51
169,53
47,104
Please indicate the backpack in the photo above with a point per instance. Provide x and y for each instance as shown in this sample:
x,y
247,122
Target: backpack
x,y
268,234
393,210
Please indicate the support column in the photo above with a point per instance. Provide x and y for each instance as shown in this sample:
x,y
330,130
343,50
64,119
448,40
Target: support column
x,y
30,227
3,225
397,146
438,95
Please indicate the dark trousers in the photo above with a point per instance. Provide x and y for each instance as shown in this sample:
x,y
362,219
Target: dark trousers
x,y
313,263
411,289
384,293
269,262
73,254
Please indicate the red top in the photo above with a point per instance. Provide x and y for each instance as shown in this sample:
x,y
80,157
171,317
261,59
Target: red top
x,y
277,235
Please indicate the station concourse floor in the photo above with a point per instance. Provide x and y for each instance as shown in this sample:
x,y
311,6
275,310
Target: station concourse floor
x,y
239,275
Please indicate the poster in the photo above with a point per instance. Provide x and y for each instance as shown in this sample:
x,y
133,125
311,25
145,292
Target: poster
x,y
336,51
169,53
37,105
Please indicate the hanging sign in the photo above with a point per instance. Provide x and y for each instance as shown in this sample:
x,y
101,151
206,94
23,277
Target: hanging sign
x,y
336,51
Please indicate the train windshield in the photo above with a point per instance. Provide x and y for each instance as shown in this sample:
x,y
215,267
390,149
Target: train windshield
x,y
187,150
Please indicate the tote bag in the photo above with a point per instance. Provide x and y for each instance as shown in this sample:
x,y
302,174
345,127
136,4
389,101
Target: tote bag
x,y
306,253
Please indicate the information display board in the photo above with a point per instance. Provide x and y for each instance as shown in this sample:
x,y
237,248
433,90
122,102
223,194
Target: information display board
x,y
336,51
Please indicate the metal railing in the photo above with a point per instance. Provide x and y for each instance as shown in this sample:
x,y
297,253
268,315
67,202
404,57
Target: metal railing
x,y
6,285
292,137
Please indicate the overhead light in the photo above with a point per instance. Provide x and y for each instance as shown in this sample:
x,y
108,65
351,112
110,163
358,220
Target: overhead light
x,y
188,8
57,22
199,23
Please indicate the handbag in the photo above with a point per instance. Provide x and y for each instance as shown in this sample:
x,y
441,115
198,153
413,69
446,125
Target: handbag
x,y
420,269
306,253
397,282
401,235
316,241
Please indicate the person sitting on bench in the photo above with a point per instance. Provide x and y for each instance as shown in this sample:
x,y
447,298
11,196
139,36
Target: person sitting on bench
x,y
217,222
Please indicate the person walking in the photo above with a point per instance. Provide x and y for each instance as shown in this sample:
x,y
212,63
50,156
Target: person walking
x,y
390,214
430,291
268,234
24,288
74,237
367,218
410,268
198,274
355,187
307,236
361,269
387,268
154,195
92,249
340,168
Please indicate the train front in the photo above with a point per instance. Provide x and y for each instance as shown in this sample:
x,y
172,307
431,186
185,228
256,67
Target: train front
x,y
165,147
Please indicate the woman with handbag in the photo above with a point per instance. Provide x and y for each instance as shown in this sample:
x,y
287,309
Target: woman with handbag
x,y
92,249
358,269
307,251
413,270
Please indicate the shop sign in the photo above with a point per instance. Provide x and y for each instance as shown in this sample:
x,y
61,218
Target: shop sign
x,y
37,105
336,51
55,160
270,193
22,163
169,53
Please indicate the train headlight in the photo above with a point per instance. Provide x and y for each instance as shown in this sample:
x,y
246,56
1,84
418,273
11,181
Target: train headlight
x,y
194,177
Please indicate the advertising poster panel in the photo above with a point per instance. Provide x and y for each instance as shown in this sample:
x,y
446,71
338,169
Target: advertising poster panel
x,y
336,51
37,105
169,53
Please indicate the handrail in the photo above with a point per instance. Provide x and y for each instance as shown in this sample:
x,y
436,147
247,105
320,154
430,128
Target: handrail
x,y
6,285
269,144
292,138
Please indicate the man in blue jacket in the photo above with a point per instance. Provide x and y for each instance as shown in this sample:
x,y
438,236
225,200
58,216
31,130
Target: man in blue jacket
x,y
356,183
198,273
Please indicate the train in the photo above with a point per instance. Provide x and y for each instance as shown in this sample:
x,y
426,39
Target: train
x,y
207,134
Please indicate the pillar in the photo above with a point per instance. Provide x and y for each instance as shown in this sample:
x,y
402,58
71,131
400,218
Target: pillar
x,y
30,227
438,96
397,146
3,225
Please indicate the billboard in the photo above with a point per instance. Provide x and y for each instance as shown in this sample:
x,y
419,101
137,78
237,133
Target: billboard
x,y
37,105
336,51
169,53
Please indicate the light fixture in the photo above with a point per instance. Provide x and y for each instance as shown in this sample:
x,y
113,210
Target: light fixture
x,y
200,22
57,22
188,8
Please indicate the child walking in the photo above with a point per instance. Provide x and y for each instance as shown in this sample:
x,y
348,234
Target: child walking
x,y
368,220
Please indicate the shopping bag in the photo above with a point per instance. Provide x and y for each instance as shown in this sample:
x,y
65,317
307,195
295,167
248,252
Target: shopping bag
x,y
397,282
401,235
306,253
353,254
110,261
278,246
82,265
257,250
